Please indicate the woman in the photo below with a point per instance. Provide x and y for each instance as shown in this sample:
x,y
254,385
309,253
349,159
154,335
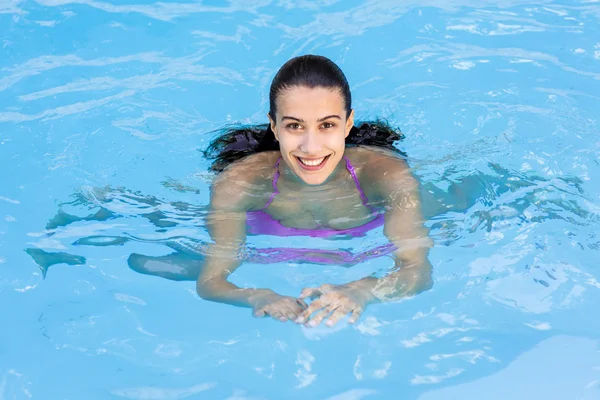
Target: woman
x,y
312,172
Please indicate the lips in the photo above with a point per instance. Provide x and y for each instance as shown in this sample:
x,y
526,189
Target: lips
x,y
312,164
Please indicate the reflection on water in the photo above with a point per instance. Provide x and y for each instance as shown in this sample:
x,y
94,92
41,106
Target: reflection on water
x,y
552,380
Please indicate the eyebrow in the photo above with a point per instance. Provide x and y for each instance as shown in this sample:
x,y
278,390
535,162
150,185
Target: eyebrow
x,y
292,118
327,117
319,120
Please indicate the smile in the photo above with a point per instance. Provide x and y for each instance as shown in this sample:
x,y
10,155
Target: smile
x,y
312,164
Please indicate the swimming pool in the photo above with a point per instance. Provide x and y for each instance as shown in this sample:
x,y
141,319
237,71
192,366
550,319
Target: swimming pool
x,y
104,106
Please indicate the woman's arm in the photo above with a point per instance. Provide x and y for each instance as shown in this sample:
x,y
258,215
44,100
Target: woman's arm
x,y
393,185
226,222
404,228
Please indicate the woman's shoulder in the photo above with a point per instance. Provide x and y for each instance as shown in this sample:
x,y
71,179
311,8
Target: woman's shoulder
x,y
375,159
245,181
254,165
380,171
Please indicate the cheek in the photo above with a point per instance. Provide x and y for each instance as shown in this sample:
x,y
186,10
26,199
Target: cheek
x,y
335,141
287,142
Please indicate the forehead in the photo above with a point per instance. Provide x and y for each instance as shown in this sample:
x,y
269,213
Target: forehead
x,y
301,99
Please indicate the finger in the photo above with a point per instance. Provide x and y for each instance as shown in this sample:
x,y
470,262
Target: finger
x,y
302,304
309,293
335,317
325,288
292,310
296,304
355,315
318,318
314,306
278,315
259,313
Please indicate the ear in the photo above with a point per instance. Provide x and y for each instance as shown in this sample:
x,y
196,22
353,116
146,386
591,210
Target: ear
x,y
273,127
349,123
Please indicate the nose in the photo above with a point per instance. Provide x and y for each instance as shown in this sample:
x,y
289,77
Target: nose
x,y
311,143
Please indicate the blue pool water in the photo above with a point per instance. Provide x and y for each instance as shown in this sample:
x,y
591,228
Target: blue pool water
x,y
104,106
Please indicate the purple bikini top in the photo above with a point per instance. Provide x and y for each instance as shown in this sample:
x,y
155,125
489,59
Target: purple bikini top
x,y
259,222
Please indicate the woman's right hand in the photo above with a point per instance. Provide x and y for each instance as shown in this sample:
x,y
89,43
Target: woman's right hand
x,y
282,308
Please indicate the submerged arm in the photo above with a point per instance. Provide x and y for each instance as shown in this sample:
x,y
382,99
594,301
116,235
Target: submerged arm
x,y
399,192
227,227
226,222
404,228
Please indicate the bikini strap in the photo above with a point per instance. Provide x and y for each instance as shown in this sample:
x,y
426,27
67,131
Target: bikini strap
x,y
352,171
274,183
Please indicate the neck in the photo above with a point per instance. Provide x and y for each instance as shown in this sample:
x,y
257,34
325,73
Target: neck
x,y
292,181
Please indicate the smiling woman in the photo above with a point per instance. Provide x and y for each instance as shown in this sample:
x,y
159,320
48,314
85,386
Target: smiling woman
x,y
311,172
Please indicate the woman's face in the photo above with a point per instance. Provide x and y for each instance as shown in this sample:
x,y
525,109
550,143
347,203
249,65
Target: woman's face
x,y
311,127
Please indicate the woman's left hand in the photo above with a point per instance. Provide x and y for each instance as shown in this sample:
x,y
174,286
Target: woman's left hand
x,y
333,302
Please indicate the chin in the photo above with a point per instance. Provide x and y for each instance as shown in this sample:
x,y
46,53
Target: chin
x,y
314,180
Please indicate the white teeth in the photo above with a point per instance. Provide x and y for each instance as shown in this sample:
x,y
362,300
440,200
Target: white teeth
x,y
312,163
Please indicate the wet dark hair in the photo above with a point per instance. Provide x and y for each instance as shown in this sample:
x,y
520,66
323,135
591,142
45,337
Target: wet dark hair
x,y
235,142
309,71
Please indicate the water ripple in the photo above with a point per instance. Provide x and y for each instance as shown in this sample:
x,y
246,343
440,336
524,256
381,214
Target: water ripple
x,y
164,11
104,105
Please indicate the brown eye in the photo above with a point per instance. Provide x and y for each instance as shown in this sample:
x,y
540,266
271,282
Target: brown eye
x,y
293,126
327,125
